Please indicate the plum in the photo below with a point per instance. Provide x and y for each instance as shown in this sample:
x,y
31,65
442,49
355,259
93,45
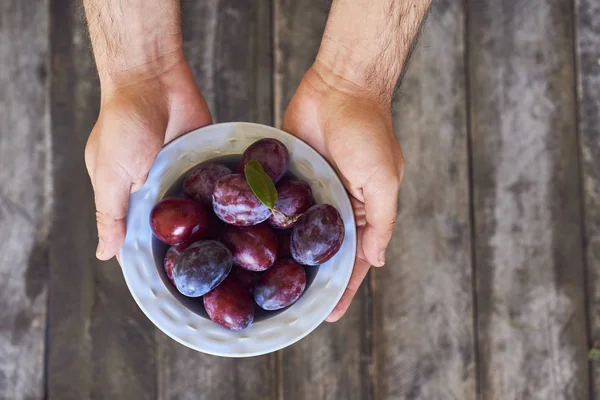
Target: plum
x,y
318,235
200,181
295,197
202,267
283,244
169,261
176,220
235,204
281,285
230,305
253,247
272,155
248,279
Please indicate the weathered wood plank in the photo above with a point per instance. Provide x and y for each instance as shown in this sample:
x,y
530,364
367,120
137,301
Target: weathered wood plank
x,y
25,197
100,343
588,57
530,292
334,361
423,300
228,45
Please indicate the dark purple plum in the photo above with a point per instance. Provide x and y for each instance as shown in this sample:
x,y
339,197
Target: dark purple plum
x,y
281,285
272,155
202,267
283,244
235,204
169,262
253,247
200,181
318,235
176,220
248,279
230,305
295,197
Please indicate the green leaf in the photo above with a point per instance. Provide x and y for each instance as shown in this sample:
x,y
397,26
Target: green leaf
x,y
262,186
594,354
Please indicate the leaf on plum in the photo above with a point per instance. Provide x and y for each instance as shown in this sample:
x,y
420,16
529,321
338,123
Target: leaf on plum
x,y
261,185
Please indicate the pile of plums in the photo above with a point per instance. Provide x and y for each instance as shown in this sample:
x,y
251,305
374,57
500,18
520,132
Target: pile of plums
x,y
231,249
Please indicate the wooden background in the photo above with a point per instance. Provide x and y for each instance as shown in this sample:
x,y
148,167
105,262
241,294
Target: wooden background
x,y
492,289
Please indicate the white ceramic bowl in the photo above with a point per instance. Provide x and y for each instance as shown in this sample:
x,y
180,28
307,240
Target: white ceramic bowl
x,y
141,257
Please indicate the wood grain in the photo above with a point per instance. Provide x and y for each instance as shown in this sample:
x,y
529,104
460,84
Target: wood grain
x,y
333,362
228,45
25,197
588,90
409,334
530,293
423,299
100,343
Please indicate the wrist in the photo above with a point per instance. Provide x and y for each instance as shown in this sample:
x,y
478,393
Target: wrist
x,y
151,70
134,39
367,42
358,71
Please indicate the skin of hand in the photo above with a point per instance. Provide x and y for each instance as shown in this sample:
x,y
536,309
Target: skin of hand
x,y
342,108
354,133
135,121
148,98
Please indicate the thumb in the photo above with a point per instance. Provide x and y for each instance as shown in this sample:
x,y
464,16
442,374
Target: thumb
x,y
112,197
381,199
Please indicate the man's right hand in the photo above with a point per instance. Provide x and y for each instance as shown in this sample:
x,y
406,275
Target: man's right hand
x,y
139,114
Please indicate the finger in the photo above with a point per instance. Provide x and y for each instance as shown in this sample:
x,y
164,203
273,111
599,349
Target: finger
x,y
361,268
112,196
381,202
361,220
138,183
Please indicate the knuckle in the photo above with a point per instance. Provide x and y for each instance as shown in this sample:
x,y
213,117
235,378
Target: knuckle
x,y
105,219
388,229
391,176
384,181
100,218
352,288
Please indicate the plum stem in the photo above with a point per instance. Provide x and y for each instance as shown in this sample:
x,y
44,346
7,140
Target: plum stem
x,y
284,219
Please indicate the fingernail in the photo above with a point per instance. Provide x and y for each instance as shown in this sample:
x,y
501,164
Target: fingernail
x,y
382,258
100,248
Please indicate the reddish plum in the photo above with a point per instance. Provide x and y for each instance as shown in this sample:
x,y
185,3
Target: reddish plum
x,y
230,305
200,181
235,204
295,197
272,155
318,235
176,220
253,247
281,285
169,262
201,267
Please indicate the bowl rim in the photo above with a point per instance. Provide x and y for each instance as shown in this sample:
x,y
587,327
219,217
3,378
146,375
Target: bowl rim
x,y
140,268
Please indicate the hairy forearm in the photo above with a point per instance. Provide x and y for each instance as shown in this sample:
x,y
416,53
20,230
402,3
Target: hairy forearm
x,y
133,37
367,42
